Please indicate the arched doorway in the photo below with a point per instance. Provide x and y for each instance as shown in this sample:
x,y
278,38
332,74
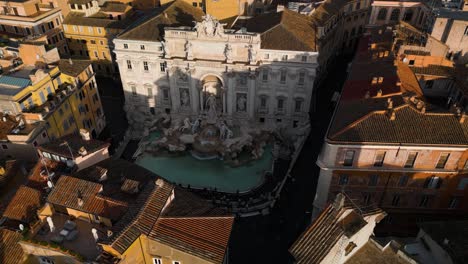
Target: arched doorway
x,y
212,96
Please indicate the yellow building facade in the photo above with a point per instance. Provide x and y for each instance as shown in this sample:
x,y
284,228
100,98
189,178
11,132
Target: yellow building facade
x,y
89,31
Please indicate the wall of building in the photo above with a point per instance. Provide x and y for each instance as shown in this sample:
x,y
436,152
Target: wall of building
x,y
144,249
163,84
52,254
93,43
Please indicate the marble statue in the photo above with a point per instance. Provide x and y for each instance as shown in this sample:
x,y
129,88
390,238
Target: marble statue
x,y
225,132
241,103
211,105
252,54
165,48
228,52
196,125
188,48
219,29
184,98
186,126
206,27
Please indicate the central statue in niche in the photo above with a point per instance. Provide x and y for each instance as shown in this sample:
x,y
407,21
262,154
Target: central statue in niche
x,y
212,98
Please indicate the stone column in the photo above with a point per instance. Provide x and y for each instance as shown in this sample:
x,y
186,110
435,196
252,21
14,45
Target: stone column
x,y
174,90
194,93
230,93
251,96
200,92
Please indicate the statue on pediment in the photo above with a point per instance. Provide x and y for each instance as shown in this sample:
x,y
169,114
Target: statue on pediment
x,y
209,26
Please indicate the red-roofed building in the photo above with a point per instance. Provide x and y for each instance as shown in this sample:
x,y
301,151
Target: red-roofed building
x,y
386,146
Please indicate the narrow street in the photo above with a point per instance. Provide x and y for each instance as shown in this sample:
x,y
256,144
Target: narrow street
x,y
266,239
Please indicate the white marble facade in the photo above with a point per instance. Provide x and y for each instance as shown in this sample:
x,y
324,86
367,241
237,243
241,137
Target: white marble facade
x,y
209,67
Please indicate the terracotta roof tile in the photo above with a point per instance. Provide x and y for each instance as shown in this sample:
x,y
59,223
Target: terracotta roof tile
x,y
74,69
285,30
24,204
10,251
75,142
175,14
205,237
321,236
68,189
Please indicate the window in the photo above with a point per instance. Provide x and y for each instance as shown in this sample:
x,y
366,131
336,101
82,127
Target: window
x,y
411,62
99,30
194,4
142,47
176,262
432,182
408,16
403,181
348,158
165,94
145,66
96,55
454,202
382,15
129,64
265,75
429,84
466,31
396,200
4,146
157,261
263,102
150,92
424,202
284,58
395,15
301,78
304,58
298,105
343,179
44,260
379,158
93,42
280,104
125,46
373,179
266,56
358,5
162,66
442,160
134,91
411,159
366,198
283,76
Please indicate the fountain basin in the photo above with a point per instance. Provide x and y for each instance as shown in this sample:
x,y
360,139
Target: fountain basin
x,y
215,173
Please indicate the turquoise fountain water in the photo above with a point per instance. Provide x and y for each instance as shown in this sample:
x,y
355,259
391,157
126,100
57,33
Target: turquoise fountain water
x,y
209,173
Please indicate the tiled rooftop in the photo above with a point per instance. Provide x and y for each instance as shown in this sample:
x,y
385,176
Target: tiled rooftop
x,y
75,142
393,110
24,204
10,251
205,237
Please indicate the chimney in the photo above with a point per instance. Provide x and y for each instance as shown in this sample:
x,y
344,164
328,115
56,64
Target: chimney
x,y
389,103
83,151
159,182
423,110
85,134
462,118
70,61
165,15
379,93
339,201
80,199
391,114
